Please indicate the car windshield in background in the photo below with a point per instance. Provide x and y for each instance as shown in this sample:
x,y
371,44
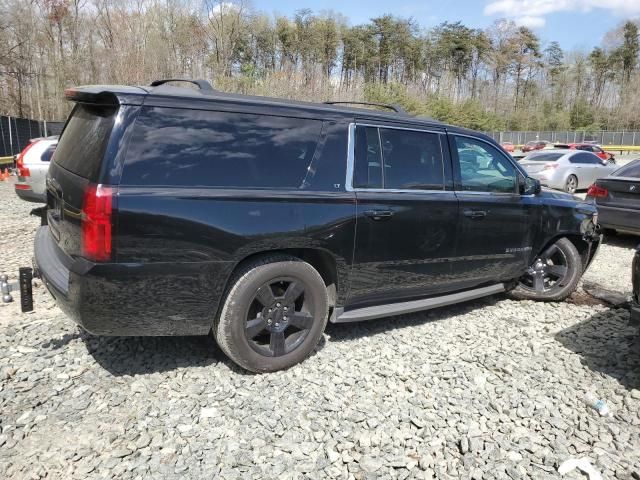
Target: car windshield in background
x,y
629,170
544,157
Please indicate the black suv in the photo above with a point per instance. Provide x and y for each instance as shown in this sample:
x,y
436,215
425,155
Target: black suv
x,y
175,211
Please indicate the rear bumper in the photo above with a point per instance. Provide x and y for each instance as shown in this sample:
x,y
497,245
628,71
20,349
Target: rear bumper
x,y
31,196
616,218
131,299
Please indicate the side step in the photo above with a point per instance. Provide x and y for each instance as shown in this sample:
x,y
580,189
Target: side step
x,y
370,313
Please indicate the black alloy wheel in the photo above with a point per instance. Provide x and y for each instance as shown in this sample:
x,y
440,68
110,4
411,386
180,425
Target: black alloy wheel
x,y
553,275
274,313
279,319
548,271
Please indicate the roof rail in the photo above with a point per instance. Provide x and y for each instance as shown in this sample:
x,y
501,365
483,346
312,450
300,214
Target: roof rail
x,y
395,107
202,84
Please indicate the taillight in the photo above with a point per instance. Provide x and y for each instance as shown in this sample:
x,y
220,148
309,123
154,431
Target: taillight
x,y
96,222
596,191
22,170
550,166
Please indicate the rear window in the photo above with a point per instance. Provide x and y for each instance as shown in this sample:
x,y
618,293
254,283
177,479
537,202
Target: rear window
x,y
630,170
544,157
220,149
84,140
48,153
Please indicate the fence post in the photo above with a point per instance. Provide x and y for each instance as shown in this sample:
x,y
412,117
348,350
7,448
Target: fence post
x,y
10,135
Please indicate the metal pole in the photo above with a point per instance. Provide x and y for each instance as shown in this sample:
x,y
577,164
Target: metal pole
x,y
10,137
45,128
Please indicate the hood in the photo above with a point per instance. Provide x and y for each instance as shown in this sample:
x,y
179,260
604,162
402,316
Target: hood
x,y
558,195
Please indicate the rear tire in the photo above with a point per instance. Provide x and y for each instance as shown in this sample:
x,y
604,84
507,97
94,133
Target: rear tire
x,y
571,185
274,314
554,275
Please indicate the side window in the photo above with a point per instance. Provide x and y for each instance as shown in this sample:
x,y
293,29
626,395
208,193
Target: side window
x,y
483,168
584,158
368,162
412,160
219,149
397,159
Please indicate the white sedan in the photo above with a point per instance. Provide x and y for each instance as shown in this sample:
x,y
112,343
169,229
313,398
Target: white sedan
x,y
568,170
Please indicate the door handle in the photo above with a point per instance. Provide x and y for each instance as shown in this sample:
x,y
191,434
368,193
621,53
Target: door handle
x,y
475,214
378,215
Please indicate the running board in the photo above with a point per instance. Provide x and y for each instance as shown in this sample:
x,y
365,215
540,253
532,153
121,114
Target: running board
x,y
370,313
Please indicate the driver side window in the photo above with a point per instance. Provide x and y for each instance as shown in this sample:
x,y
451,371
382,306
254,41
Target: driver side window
x,y
483,168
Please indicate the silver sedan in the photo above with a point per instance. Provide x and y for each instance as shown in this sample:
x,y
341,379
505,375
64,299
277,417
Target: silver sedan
x,y
568,170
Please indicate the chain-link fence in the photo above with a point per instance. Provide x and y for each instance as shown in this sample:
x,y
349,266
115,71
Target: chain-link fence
x,y
16,133
601,137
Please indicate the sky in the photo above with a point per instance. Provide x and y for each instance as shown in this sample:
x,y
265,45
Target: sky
x,y
576,24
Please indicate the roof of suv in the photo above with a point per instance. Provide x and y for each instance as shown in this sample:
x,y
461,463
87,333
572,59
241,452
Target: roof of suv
x,y
165,95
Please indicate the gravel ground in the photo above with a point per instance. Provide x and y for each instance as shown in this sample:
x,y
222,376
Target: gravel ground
x,y
489,389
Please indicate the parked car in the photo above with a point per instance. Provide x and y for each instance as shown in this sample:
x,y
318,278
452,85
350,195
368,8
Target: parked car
x,y
635,300
535,145
617,198
32,164
185,212
508,147
608,157
568,170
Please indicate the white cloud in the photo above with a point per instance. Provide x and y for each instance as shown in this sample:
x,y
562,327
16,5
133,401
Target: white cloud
x,y
531,13
531,21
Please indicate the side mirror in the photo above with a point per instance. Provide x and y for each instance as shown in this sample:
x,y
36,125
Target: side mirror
x,y
530,186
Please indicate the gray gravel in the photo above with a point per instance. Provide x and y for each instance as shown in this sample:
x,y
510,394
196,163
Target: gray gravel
x,y
489,389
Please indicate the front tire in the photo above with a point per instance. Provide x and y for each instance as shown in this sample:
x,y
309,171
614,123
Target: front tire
x,y
274,314
554,274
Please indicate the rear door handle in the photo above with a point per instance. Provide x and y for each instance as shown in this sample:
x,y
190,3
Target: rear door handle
x,y
475,214
378,215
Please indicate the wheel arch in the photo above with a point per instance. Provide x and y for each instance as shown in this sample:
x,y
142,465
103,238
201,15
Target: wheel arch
x,y
581,245
323,261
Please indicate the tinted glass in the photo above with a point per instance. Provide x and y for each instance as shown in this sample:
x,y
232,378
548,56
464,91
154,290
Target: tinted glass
x,y
544,157
368,167
84,140
585,158
630,170
48,153
218,149
412,160
483,168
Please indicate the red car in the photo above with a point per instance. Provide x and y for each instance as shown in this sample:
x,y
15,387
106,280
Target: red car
x,y
508,147
534,145
590,147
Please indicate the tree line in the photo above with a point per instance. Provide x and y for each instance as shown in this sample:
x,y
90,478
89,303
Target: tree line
x,y
502,77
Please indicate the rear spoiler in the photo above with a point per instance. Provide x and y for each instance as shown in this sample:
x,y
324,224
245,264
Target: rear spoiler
x,y
106,95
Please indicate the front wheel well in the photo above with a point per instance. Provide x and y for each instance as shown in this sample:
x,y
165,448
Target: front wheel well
x,y
581,245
